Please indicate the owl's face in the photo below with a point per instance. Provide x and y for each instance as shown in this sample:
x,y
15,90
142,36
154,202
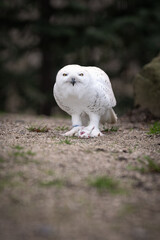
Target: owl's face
x,y
73,79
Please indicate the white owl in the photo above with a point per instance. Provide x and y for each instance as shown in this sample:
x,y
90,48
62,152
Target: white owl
x,y
86,94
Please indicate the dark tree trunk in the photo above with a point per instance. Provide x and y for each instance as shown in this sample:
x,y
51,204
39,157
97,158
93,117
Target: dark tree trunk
x,y
46,48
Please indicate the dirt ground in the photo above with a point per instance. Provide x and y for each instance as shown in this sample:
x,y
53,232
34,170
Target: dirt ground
x,y
52,187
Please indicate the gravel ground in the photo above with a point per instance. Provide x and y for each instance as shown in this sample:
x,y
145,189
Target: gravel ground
x,y
52,187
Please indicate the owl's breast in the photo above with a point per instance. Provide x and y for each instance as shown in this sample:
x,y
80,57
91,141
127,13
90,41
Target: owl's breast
x,y
71,103
91,99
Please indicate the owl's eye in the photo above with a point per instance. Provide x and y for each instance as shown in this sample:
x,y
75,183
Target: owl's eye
x,y
81,74
65,74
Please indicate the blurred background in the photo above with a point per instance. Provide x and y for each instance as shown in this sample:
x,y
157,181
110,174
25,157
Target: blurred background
x,y
39,37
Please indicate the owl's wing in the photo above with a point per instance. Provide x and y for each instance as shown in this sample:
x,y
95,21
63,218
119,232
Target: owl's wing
x,y
103,85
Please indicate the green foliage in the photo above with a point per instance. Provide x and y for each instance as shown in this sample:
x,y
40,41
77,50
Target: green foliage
x,y
155,129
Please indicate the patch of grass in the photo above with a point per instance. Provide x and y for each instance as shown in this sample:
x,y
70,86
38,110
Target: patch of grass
x,y
18,147
154,129
148,165
61,128
2,160
7,181
152,165
133,168
4,182
22,156
135,146
30,153
112,129
130,150
53,183
23,153
19,154
127,209
38,129
104,183
66,141
88,151
49,172
20,174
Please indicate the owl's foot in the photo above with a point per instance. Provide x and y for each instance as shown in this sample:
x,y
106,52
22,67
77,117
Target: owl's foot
x,y
73,132
89,132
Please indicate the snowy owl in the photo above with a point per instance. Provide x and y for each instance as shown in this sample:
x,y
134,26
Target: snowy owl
x,y
86,94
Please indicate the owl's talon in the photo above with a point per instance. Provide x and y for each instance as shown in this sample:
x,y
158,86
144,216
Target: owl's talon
x,y
73,132
89,132
81,133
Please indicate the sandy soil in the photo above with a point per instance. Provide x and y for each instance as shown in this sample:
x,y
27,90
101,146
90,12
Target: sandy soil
x,y
46,182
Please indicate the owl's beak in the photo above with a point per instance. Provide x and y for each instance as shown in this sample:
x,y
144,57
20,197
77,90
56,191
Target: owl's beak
x,y
73,81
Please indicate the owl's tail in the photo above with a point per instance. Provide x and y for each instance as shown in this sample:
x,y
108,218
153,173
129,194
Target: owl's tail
x,y
109,117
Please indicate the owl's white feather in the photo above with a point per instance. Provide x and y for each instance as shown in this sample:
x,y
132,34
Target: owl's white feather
x,y
85,93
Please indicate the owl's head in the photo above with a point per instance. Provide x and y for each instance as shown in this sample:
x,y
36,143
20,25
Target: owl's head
x,y
72,79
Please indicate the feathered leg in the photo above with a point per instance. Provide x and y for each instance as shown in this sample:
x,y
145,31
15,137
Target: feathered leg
x,y
76,124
